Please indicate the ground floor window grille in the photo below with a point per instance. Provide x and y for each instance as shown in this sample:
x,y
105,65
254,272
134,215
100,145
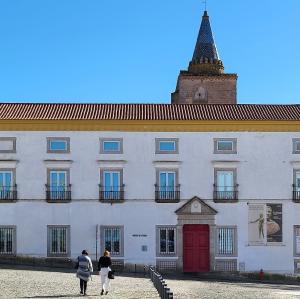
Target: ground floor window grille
x,y
166,265
226,265
226,241
58,238
166,240
7,240
113,240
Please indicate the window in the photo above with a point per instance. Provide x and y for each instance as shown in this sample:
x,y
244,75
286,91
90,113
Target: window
x,y
296,185
58,145
58,240
225,146
166,146
112,239
226,241
111,187
7,240
7,185
166,240
296,145
58,187
111,146
167,187
296,240
7,144
225,187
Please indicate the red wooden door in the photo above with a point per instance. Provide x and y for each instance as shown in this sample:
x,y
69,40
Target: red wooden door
x,y
195,248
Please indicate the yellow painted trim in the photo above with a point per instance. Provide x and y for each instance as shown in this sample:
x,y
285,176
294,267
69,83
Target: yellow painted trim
x,y
150,126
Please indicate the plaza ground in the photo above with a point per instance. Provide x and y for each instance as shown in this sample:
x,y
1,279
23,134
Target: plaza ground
x,y
29,283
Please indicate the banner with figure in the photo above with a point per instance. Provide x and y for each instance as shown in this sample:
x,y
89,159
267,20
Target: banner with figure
x,y
274,222
256,224
264,223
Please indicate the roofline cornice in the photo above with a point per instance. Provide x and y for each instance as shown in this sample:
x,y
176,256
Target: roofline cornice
x,y
205,76
150,125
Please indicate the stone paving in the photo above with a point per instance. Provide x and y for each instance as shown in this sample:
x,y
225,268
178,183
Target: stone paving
x,y
192,289
18,283
42,284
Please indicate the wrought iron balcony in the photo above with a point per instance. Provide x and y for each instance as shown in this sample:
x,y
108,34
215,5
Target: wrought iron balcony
x,y
296,193
111,194
167,193
225,193
58,193
8,193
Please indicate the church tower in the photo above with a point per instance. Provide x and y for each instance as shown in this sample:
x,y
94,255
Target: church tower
x,y
205,81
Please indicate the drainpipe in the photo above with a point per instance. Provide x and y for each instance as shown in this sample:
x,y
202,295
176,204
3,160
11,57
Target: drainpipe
x,y
97,242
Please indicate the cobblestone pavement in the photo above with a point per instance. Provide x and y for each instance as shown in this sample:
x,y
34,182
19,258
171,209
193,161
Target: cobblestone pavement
x,y
42,284
191,289
18,283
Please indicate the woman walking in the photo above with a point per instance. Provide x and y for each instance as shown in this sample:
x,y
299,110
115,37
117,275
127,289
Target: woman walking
x,y
84,270
104,267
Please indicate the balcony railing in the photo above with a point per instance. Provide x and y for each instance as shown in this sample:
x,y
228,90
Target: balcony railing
x,y
225,193
296,193
112,193
8,193
58,193
167,193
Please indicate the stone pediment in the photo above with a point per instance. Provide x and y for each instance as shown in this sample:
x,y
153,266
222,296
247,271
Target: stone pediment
x,y
196,206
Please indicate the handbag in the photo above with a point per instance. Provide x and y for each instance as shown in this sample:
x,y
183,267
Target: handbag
x,y
111,274
77,264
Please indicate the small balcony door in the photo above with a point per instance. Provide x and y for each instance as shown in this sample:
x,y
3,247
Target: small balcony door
x,y
58,184
225,180
225,184
112,183
167,184
296,187
297,181
6,184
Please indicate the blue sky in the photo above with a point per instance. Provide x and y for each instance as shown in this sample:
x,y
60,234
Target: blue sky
x,y
131,51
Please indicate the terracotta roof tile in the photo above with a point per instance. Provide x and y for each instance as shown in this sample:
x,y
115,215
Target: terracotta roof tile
x,y
18,111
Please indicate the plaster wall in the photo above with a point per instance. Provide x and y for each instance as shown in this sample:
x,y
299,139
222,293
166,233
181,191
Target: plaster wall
x,y
264,163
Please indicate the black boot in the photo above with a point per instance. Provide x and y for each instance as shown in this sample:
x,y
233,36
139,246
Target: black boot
x,y
102,292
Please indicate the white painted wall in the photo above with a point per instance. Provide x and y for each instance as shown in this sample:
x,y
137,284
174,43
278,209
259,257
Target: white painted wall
x,y
264,173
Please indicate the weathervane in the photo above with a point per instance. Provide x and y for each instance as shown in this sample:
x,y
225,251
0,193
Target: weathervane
x,y
205,3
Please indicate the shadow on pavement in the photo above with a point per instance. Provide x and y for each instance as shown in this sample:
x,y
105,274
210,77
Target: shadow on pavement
x,y
55,296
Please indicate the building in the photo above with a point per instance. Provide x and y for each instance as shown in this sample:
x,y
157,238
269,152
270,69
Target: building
x,y
199,185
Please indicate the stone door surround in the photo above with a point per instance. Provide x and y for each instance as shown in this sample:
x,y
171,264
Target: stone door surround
x,y
195,211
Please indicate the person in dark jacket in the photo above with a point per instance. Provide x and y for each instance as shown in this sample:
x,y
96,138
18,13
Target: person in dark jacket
x,y
84,270
104,267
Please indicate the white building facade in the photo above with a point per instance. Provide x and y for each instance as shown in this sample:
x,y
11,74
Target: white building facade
x,y
195,187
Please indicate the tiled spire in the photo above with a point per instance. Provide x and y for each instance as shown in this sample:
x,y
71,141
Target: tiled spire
x,y
206,59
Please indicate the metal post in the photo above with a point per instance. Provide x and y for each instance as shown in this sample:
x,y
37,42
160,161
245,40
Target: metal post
x,y
167,292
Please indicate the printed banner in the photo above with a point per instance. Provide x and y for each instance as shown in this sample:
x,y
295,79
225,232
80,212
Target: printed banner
x,y
256,224
264,224
274,222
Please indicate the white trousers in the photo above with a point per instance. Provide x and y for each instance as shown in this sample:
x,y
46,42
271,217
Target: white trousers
x,y
105,281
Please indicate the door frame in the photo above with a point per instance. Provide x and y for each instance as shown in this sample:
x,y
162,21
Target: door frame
x,y
196,211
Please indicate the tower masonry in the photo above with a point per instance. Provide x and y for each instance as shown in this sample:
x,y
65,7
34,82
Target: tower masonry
x,y
205,81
